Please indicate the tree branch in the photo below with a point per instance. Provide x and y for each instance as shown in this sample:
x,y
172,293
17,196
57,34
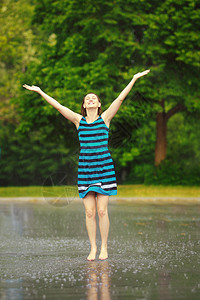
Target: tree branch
x,y
174,110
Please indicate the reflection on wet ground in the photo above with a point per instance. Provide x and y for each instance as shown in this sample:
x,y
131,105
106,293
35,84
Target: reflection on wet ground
x,y
153,253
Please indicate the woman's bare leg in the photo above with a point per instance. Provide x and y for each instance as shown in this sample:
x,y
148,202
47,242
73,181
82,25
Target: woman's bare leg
x,y
102,207
90,211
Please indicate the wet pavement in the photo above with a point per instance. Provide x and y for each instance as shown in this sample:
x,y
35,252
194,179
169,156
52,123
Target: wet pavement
x,y
153,252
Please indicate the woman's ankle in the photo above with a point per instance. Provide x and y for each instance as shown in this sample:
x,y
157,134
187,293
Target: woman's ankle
x,y
93,247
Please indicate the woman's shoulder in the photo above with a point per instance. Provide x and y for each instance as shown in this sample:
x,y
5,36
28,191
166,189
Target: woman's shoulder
x,y
78,119
103,116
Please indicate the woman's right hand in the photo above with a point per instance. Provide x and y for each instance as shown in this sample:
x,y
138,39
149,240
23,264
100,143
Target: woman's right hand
x,y
32,88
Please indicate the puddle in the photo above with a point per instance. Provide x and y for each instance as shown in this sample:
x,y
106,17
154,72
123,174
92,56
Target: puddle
x,y
153,253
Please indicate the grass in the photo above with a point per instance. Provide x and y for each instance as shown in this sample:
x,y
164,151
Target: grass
x,y
138,190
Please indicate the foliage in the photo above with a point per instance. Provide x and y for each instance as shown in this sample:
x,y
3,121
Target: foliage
x,y
28,159
98,46
17,37
84,46
183,157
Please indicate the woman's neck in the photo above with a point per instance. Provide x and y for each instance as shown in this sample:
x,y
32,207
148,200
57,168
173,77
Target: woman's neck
x,y
92,116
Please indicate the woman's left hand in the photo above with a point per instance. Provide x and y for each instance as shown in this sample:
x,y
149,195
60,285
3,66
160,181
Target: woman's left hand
x,y
138,75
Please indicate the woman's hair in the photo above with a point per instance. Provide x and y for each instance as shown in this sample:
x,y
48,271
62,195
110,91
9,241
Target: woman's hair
x,y
83,110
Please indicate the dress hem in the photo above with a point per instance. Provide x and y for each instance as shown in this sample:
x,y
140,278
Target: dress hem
x,y
99,190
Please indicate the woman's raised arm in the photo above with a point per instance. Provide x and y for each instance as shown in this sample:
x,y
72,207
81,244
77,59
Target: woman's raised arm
x,y
66,112
115,105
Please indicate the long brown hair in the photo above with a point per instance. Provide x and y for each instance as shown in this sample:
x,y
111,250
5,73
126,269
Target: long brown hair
x,y
83,110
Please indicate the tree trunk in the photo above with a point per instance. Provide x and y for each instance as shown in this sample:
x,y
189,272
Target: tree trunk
x,y
161,130
161,137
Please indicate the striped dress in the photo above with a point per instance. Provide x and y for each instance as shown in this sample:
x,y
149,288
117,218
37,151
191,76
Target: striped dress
x,y
95,168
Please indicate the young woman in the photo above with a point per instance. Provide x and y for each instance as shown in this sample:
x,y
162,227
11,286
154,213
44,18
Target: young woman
x,y
96,174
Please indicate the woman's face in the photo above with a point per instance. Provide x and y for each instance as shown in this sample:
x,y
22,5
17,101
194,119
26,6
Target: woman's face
x,y
91,100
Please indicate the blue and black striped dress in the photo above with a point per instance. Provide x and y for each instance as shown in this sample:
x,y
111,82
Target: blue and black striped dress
x,y
95,168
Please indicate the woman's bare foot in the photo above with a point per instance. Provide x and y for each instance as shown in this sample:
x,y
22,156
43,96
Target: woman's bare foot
x,y
92,254
104,253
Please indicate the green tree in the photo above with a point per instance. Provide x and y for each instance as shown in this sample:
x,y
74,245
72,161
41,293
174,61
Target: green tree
x,y
98,46
16,51
171,46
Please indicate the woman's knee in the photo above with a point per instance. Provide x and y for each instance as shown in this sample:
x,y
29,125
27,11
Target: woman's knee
x,y
102,212
90,213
